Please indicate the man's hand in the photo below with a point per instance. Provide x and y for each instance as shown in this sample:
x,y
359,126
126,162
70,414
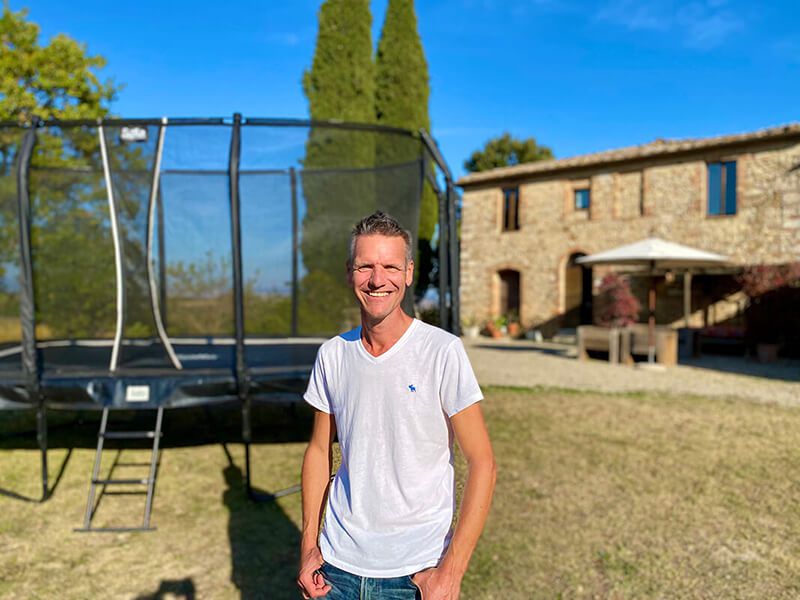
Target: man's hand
x,y
310,580
438,584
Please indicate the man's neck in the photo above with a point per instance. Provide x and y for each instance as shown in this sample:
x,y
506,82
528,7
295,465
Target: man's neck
x,y
380,336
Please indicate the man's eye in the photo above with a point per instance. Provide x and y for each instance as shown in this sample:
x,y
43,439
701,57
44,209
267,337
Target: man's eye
x,y
363,269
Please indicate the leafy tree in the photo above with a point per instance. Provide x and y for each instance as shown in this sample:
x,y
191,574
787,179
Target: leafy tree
x,y
340,85
57,80
401,100
506,151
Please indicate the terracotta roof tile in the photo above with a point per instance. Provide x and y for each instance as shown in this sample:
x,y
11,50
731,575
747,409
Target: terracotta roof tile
x,y
659,147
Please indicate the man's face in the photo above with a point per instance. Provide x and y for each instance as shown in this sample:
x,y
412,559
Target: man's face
x,y
379,275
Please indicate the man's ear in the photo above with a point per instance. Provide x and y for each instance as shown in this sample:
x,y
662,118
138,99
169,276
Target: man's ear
x,y
349,270
410,273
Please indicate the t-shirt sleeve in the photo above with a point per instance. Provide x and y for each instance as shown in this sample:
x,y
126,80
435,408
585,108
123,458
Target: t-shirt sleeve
x,y
317,391
459,388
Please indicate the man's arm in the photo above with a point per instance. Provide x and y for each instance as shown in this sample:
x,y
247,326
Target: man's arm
x,y
317,465
444,582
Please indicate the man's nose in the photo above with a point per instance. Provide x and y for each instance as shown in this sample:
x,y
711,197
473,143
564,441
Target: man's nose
x,y
378,277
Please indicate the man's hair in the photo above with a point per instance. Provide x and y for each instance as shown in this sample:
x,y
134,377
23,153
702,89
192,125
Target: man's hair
x,y
379,223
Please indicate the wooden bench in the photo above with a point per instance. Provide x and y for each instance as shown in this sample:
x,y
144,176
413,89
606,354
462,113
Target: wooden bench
x,y
623,343
635,341
599,339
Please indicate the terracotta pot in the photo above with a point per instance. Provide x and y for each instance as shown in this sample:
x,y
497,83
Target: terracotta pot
x,y
493,330
514,329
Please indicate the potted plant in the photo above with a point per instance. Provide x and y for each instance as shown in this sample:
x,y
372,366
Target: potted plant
x,y
470,327
513,325
496,328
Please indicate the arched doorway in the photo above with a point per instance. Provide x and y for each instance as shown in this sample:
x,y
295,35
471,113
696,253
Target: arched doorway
x,y
577,293
509,303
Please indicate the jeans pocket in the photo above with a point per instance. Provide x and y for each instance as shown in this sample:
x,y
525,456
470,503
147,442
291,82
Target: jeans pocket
x,y
415,587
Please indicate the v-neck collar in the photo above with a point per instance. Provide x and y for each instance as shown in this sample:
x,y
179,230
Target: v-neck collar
x,y
391,351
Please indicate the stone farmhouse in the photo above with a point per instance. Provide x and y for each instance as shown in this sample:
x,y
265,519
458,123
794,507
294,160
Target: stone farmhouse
x,y
524,226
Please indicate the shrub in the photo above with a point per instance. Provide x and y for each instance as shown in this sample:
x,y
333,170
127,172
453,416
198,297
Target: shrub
x,y
617,306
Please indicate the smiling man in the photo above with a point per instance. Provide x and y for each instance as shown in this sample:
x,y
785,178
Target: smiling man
x,y
397,391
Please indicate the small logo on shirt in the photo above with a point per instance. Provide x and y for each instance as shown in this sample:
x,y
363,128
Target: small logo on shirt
x,y
411,388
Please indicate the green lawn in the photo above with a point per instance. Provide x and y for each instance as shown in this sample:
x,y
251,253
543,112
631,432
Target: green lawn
x,y
598,496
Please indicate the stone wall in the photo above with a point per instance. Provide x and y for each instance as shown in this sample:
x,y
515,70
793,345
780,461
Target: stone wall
x,y
666,198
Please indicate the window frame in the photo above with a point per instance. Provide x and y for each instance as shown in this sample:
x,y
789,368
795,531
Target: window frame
x,y
725,201
509,216
578,190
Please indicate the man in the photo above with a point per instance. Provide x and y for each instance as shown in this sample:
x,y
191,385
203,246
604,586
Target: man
x,y
396,391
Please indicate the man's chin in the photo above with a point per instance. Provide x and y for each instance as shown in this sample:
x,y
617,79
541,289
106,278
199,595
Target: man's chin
x,y
373,318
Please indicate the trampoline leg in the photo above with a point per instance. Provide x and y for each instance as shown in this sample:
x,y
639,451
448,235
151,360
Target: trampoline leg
x,y
41,438
246,436
248,485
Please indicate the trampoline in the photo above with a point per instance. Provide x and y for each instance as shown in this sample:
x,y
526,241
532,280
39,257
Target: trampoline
x,y
165,263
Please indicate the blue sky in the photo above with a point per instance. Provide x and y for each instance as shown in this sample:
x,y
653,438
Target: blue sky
x,y
578,76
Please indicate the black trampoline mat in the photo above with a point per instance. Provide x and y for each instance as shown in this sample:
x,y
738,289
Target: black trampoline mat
x,y
75,373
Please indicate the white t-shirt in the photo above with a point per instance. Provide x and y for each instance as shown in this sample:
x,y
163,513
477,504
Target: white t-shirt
x,y
390,506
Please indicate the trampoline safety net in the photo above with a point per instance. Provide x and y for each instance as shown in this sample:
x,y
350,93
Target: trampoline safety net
x,y
198,256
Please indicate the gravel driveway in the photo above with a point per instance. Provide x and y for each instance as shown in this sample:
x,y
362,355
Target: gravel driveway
x,y
529,364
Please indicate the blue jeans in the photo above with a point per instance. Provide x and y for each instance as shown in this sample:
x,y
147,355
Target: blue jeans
x,y
346,586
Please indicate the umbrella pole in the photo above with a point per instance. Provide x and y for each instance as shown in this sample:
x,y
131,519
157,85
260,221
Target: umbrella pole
x,y
651,321
687,298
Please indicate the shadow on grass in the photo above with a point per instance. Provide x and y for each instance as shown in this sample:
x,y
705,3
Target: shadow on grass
x,y
179,589
271,424
51,488
264,542
182,427
785,369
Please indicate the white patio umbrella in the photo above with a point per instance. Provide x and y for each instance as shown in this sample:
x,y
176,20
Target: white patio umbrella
x,y
655,254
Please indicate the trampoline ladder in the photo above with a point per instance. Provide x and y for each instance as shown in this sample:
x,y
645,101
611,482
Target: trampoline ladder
x,y
150,481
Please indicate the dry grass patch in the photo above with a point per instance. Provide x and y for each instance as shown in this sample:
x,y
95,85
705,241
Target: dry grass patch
x,y
598,496
637,496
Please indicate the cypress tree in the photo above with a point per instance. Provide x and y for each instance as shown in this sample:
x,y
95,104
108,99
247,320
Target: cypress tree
x,y
401,100
341,81
339,85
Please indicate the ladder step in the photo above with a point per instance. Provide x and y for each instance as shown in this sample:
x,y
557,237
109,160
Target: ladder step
x,y
129,435
121,481
149,481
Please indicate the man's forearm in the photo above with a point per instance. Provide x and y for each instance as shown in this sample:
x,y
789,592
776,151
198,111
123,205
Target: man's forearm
x,y
481,474
315,480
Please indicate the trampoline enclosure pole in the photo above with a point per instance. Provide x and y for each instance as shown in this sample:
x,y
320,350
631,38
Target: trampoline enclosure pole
x,y
30,358
447,239
455,321
295,249
162,264
444,275
118,251
238,288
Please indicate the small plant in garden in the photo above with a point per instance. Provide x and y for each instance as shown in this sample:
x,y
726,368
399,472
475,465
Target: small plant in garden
x,y
513,324
617,306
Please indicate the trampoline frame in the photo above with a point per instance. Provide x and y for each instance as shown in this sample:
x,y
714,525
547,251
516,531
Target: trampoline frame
x,y
434,170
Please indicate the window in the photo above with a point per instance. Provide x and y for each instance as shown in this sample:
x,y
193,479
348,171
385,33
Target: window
x,y
582,199
722,188
510,209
